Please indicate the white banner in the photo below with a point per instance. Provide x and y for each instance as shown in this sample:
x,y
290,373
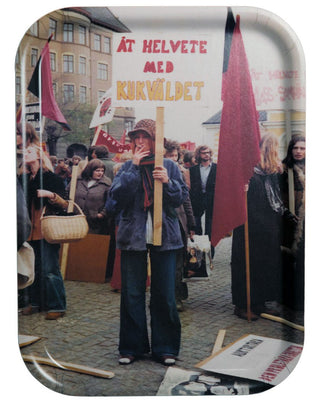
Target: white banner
x,y
164,69
104,111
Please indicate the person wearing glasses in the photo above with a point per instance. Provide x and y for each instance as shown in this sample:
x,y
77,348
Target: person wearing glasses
x,y
202,187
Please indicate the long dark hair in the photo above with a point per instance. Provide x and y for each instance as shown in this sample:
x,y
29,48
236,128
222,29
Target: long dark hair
x,y
90,167
289,160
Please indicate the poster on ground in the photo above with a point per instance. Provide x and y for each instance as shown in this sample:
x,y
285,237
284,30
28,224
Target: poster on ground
x,y
267,360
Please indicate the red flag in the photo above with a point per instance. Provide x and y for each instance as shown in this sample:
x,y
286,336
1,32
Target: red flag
x,y
41,86
191,146
112,144
238,142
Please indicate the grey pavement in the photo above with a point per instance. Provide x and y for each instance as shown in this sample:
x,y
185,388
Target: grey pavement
x,y
88,335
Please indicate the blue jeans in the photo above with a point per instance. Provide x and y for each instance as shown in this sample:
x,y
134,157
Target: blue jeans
x,y
47,291
165,322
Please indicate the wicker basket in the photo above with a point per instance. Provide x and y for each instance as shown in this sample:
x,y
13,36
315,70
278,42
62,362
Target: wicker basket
x,y
64,229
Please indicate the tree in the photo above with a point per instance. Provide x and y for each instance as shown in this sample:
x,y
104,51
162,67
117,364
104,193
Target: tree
x,y
78,119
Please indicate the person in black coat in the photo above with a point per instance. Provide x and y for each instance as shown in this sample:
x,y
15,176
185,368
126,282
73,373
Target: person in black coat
x,y
202,188
265,213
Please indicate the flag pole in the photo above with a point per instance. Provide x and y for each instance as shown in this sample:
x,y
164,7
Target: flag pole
x,y
96,134
247,255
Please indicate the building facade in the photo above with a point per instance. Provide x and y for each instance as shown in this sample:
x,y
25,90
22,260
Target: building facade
x,y
282,123
81,63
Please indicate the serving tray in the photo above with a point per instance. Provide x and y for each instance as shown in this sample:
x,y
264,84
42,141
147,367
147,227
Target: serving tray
x,y
214,76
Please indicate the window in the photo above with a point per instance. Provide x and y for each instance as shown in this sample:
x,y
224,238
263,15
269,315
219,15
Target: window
x,y
83,95
101,94
67,32
82,35
34,29
53,61
68,64
52,28
97,42
106,45
68,93
34,57
82,65
128,126
54,88
102,71
18,85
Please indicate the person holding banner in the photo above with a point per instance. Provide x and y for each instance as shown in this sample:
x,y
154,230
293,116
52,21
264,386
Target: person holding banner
x,y
265,213
132,191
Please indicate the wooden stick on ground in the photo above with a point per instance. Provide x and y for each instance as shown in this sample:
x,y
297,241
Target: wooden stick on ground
x,y
25,340
219,341
282,321
69,366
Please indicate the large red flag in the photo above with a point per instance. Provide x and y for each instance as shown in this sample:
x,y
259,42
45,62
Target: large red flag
x,y
41,86
238,142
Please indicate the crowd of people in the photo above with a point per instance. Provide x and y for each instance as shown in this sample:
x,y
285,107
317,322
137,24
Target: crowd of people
x,y
118,199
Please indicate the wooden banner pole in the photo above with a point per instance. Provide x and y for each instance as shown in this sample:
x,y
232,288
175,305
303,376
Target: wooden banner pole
x,y
219,341
247,255
282,321
158,189
65,246
96,134
69,366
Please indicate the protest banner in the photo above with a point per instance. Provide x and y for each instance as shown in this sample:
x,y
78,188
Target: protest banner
x,y
164,70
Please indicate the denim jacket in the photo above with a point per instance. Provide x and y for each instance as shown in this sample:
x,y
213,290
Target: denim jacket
x,y
127,197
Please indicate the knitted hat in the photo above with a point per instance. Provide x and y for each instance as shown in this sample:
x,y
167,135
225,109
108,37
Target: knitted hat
x,y
145,125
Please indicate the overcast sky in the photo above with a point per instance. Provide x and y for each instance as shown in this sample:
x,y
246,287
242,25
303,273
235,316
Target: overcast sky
x,y
271,47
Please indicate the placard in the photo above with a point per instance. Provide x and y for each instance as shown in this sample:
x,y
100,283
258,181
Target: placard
x,y
254,357
161,69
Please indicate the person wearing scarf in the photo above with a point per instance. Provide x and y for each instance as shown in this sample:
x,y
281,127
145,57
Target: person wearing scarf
x,y
294,236
132,194
265,213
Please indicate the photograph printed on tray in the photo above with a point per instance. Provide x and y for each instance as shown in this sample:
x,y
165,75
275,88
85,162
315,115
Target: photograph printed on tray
x,y
142,132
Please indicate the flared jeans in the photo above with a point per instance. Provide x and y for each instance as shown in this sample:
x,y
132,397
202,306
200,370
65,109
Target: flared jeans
x,y
165,322
47,291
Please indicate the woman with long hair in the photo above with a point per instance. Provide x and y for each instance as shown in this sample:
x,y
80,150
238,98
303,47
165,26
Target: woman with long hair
x,y
43,188
26,136
294,237
265,212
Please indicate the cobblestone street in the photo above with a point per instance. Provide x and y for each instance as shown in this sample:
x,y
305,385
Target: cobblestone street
x,y
88,335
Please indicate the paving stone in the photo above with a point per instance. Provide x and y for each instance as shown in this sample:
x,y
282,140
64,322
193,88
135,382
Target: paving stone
x,y
88,334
